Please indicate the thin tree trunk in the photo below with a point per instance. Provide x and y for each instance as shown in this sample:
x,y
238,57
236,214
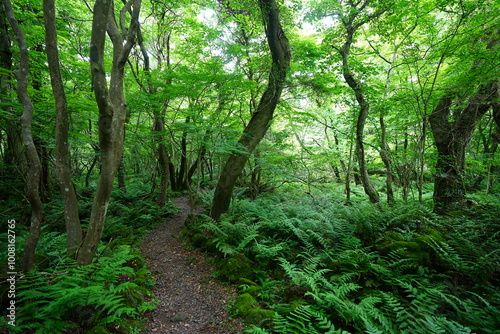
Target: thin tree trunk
x,y
386,159
491,166
360,125
14,157
159,126
63,166
89,172
351,27
421,159
35,167
43,155
261,119
180,183
348,175
121,176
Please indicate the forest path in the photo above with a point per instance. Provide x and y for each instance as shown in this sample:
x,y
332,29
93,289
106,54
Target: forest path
x,y
191,301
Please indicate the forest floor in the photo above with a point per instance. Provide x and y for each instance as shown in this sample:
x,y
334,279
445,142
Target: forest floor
x,y
191,301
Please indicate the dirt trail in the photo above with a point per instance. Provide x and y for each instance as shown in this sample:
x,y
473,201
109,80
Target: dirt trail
x,y
191,302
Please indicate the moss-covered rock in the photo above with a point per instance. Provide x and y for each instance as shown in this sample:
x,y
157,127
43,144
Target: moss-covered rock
x,y
235,267
248,309
429,237
419,248
244,303
259,317
249,286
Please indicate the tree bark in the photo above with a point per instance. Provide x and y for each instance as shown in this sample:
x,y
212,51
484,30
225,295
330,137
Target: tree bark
x,y
63,165
451,139
386,159
163,158
351,27
35,167
491,167
159,126
14,157
112,110
360,123
261,119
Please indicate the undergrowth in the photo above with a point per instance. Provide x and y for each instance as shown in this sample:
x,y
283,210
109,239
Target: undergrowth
x,y
110,295
329,268
77,298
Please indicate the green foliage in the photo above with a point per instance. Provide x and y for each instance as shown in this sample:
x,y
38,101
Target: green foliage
x,y
132,214
248,308
70,297
363,269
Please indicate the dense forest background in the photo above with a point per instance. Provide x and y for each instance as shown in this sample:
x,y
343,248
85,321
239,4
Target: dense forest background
x,y
346,148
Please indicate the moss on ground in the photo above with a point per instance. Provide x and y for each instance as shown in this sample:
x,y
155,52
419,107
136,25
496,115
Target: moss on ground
x,y
249,309
236,266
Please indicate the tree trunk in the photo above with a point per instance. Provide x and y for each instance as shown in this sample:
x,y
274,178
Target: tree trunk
x,y
349,171
35,167
261,119
163,159
360,125
386,159
354,84
121,176
14,157
181,182
491,167
43,155
112,110
451,139
159,126
63,166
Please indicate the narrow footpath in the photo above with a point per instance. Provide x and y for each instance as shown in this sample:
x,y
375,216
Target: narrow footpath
x,y
191,301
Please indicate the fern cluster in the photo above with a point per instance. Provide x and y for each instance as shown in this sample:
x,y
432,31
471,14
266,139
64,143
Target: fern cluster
x,y
364,269
74,298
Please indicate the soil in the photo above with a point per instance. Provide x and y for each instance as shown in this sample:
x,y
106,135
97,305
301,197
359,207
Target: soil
x,y
190,299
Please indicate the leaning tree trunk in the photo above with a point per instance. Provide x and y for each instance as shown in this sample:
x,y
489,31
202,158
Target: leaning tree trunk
x,y
35,167
451,139
112,109
63,165
261,119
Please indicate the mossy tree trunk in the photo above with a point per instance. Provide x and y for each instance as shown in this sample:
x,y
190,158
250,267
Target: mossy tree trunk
x,y
263,115
451,136
63,166
34,164
112,108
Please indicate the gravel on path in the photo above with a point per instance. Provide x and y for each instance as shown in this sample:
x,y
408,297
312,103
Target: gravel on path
x,y
190,300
